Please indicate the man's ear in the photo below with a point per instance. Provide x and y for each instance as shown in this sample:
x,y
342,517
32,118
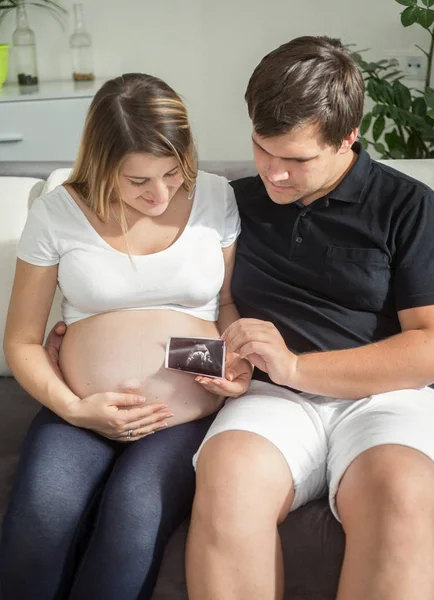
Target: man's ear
x,y
348,141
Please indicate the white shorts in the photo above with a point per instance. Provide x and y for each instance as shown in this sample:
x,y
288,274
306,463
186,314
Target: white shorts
x,y
320,437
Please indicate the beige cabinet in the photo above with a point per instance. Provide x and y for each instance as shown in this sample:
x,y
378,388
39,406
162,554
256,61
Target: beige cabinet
x,y
45,125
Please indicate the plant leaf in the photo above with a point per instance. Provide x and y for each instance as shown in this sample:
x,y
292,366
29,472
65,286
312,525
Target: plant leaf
x,y
378,127
419,107
429,97
409,16
407,2
371,88
381,149
395,142
425,17
392,74
426,2
365,124
402,95
413,145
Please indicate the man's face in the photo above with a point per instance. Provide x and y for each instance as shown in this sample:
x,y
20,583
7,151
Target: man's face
x,y
298,165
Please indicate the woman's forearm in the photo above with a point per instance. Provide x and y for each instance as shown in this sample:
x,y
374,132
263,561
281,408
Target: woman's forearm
x,y
33,370
227,315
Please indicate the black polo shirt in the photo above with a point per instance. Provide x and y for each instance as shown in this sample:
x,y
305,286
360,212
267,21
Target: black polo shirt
x,y
334,274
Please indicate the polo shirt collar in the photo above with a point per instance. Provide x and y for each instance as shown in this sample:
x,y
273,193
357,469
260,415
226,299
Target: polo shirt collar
x,y
351,187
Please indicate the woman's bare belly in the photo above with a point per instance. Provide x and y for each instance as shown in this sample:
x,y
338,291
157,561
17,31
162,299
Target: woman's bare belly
x,y
124,352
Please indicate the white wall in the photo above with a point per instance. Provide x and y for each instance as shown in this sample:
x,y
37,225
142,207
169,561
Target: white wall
x,y
206,49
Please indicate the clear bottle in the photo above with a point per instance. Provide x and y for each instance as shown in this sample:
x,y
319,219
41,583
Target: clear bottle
x,y
24,48
81,49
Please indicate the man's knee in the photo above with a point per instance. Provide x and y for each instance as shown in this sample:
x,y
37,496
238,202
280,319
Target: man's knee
x,y
241,476
389,481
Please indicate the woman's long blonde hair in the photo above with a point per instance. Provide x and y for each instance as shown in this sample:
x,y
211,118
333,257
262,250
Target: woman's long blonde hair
x,y
132,113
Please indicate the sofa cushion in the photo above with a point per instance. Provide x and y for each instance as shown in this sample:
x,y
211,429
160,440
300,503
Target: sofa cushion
x,y
56,178
420,169
17,410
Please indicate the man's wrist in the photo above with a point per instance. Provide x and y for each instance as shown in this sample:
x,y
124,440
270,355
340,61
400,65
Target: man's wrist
x,y
294,367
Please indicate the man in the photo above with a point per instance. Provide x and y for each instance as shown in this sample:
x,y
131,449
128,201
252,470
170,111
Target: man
x,y
334,281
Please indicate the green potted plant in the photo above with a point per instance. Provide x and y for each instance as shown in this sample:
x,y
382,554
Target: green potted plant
x,y
53,7
401,122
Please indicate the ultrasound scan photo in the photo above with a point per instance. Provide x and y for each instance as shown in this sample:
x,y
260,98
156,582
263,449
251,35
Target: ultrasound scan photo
x,y
201,356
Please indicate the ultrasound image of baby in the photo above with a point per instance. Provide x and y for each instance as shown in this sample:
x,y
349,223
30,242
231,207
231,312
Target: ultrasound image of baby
x,y
202,356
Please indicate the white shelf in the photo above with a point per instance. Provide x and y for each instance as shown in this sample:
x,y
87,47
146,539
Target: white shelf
x,y
50,90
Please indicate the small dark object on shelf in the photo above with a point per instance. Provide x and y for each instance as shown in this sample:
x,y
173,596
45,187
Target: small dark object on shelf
x,y
24,79
83,76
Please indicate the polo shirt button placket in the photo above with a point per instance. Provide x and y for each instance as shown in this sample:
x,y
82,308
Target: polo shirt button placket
x,y
299,239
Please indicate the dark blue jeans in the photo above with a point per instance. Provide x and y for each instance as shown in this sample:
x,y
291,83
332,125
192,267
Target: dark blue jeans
x,y
89,518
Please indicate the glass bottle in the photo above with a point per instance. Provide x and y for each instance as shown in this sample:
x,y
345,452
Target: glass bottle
x,y
24,47
81,49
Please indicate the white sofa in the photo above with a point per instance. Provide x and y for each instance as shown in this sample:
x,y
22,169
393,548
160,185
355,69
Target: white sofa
x,y
312,540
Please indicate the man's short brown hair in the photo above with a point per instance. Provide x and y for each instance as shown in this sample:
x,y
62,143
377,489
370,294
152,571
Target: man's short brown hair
x,y
309,80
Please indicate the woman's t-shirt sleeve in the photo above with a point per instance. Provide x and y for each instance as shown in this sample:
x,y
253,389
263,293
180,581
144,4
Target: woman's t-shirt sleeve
x,y
36,245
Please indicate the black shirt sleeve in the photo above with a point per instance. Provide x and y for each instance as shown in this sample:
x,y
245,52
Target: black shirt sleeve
x,y
414,256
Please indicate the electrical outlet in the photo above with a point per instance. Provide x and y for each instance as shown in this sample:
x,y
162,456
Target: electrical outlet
x,y
412,64
415,67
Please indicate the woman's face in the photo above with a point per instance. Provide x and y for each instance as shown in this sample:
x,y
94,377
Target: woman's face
x,y
148,183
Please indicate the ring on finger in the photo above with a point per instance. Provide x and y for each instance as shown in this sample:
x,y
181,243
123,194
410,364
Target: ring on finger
x,y
130,433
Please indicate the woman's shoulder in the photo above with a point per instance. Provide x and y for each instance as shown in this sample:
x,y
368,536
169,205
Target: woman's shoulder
x,y
214,182
56,203
217,199
52,198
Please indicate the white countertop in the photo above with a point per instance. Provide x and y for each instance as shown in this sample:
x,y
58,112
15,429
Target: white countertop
x,y
50,90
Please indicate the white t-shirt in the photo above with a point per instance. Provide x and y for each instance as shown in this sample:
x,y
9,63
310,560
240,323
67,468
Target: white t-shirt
x,y
96,278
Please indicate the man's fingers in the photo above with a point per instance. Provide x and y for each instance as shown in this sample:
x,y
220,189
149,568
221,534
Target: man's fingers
x,y
53,354
236,327
254,350
60,328
238,369
245,337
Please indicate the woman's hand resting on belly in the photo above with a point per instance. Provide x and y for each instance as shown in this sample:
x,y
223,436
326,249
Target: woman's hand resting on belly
x,y
112,415
118,416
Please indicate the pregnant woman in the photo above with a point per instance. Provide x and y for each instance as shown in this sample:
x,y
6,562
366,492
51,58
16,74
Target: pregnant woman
x,y
141,245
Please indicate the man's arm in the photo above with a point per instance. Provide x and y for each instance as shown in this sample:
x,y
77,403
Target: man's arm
x,y
403,361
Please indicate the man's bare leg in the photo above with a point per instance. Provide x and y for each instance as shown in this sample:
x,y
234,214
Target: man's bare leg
x,y
386,504
244,489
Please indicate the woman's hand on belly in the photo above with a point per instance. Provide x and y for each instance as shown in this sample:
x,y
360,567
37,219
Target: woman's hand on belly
x,y
118,416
